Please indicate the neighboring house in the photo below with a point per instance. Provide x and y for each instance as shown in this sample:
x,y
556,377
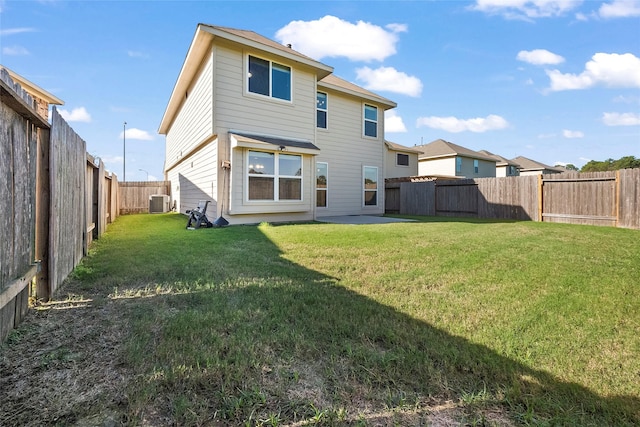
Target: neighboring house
x,y
531,167
443,158
41,98
268,134
400,161
504,167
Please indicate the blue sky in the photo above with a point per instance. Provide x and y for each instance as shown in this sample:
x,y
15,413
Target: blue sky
x,y
555,81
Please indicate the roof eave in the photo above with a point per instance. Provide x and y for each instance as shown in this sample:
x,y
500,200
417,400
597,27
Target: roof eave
x,y
33,88
386,103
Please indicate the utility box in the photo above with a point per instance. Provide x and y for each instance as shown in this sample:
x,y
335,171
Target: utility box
x,y
158,203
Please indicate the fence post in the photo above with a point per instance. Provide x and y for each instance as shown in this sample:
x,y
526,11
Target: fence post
x,y
540,206
617,207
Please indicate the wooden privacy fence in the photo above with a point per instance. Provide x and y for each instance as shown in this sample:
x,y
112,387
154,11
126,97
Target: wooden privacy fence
x,y
54,200
23,133
599,198
135,195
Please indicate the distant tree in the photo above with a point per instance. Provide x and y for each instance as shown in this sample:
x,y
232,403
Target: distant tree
x,y
626,162
571,167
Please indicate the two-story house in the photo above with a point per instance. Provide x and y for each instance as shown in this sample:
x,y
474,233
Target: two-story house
x,y
504,166
532,167
446,159
266,133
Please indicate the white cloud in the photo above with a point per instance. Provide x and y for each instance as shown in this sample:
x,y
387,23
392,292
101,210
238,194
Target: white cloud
x,y
546,135
526,9
620,9
621,119
389,79
139,134
539,57
113,160
572,134
15,51
393,123
604,69
333,37
79,114
453,124
12,31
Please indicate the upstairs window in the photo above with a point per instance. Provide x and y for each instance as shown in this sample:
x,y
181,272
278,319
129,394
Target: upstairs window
x,y
458,164
370,121
402,159
321,110
269,78
476,166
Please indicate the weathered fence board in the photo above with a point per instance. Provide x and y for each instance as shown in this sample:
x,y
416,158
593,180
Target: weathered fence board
x,y
418,202
629,198
456,198
68,195
18,156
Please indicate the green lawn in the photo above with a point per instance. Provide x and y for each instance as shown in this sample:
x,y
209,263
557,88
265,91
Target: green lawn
x,y
500,322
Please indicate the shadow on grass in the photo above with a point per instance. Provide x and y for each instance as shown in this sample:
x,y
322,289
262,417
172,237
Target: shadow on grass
x,y
225,329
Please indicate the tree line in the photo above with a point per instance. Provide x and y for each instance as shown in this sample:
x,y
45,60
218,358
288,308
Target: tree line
x,y
627,162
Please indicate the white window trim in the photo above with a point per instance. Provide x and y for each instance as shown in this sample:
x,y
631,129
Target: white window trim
x,y
276,177
326,110
326,190
377,187
270,96
364,120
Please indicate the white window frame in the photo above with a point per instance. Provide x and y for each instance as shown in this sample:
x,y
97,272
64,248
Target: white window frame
x,y
365,190
365,120
326,110
276,178
408,160
326,190
270,96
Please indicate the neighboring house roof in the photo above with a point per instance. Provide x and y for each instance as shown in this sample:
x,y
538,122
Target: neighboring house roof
x,y
500,161
397,147
199,47
531,165
33,89
441,148
336,83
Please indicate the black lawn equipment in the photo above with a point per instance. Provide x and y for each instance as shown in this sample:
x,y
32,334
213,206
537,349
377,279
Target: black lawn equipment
x,y
198,216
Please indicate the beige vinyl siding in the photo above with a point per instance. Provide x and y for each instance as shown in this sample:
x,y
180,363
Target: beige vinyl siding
x,y
391,168
440,167
194,123
237,109
194,179
447,167
486,169
347,151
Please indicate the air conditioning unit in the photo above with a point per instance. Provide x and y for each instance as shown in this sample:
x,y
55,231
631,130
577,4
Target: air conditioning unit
x,y
158,203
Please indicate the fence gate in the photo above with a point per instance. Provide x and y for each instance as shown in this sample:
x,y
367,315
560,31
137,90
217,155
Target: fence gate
x,y
591,200
457,198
